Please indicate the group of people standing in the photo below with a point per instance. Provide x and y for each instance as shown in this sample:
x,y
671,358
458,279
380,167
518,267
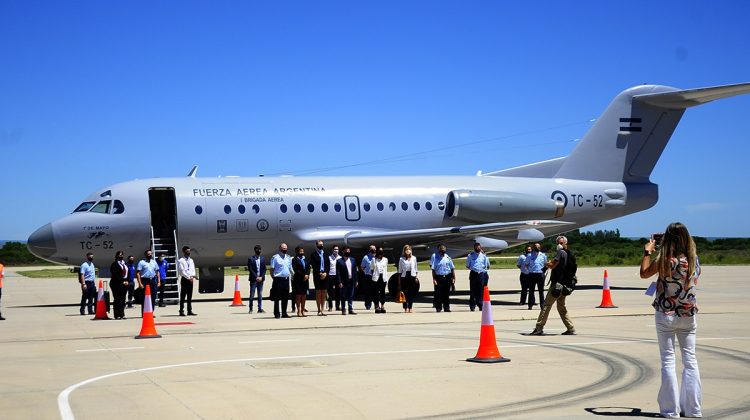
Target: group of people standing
x,y
128,281
336,275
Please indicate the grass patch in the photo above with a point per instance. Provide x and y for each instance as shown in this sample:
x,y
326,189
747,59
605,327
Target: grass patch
x,y
48,273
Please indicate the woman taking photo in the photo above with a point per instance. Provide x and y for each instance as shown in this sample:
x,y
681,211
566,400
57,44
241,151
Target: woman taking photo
x,y
677,267
407,272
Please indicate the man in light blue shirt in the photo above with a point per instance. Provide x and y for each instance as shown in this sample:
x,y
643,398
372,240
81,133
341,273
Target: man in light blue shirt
x,y
478,263
524,277
281,270
443,276
147,272
87,278
536,264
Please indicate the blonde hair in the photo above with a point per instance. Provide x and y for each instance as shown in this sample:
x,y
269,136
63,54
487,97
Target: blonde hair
x,y
675,242
405,248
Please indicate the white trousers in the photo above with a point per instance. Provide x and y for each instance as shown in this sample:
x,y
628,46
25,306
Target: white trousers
x,y
671,400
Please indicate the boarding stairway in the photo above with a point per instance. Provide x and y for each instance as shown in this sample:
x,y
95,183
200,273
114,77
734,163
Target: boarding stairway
x,y
168,246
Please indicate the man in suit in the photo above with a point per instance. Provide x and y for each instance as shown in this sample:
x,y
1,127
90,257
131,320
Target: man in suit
x,y
300,279
320,265
346,271
256,265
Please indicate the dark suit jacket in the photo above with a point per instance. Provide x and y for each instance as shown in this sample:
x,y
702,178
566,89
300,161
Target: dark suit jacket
x,y
315,264
299,272
116,279
254,270
343,274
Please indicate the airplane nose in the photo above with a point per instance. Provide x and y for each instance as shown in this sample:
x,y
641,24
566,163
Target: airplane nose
x,y
42,242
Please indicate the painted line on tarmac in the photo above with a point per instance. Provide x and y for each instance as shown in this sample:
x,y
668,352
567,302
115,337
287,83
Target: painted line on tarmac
x,y
66,412
112,349
269,341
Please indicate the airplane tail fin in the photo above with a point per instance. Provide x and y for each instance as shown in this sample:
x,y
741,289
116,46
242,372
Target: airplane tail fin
x,y
627,140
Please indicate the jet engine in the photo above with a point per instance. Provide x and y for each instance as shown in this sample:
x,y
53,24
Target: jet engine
x,y
480,206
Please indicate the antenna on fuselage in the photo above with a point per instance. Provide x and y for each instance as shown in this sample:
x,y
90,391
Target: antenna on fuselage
x,y
193,171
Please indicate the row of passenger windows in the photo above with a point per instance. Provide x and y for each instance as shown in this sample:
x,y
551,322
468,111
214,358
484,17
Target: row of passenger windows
x,y
336,207
104,206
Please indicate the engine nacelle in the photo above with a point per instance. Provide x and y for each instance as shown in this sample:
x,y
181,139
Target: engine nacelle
x,y
480,206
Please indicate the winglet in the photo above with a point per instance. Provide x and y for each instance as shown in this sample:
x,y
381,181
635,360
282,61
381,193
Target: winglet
x,y
193,171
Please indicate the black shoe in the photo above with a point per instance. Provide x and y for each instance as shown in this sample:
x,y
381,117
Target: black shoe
x,y
261,311
382,310
285,316
537,332
277,316
367,307
250,311
130,305
569,332
447,310
352,313
343,312
182,313
472,309
192,314
83,313
438,310
1,318
162,305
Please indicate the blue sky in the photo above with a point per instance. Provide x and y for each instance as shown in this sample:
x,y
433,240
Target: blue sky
x,y
93,93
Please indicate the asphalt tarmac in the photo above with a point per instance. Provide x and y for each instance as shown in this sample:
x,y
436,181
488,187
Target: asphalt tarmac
x,y
228,364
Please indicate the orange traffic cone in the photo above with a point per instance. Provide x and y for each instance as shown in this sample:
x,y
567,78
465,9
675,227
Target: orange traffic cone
x,y
488,352
148,329
101,306
606,295
237,298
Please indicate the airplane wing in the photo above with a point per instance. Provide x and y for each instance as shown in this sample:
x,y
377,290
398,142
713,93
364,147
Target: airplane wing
x,y
364,237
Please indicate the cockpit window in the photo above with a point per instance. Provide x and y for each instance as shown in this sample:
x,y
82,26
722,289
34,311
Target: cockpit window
x,y
85,206
118,207
101,207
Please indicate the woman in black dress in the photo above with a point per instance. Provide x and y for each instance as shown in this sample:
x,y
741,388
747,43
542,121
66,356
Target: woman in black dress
x,y
119,284
300,280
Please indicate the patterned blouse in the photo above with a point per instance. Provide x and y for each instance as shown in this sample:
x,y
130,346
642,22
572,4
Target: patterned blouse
x,y
676,295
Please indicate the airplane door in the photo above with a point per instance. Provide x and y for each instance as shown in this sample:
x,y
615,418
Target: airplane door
x,y
351,208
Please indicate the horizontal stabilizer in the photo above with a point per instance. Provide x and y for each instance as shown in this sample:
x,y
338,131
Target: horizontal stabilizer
x,y
681,99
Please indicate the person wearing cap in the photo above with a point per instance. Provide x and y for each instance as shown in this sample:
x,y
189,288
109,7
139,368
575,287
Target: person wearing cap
x,y
443,276
557,265
256,265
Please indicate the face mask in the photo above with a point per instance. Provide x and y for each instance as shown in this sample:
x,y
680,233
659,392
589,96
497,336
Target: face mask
x,y
441,252
148,257
559,247
320,247
90,259
346,253
283,251
187,254
257,252
119,258
372,251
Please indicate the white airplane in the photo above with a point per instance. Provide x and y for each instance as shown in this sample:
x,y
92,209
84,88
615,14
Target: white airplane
x,y
606,176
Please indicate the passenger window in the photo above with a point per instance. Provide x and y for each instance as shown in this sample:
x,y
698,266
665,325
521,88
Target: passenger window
x,y
198,209
297,208
441,205
392,206
352,207
256,208
101,207
241,209
283,208
404,206
310,208
85,206
118,207
380,207
367,206
428,205
227,209
416,206
324,207
337,207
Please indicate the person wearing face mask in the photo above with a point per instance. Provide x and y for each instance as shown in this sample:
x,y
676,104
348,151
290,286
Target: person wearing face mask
x,y
301,279
281,270
147,272
523,277
87,279
131,279
320,265
367,285
379,270
558,271
478,263
256,265
334,293
407,272
163,264
186,272
536,263
118,282
347,274
443,276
